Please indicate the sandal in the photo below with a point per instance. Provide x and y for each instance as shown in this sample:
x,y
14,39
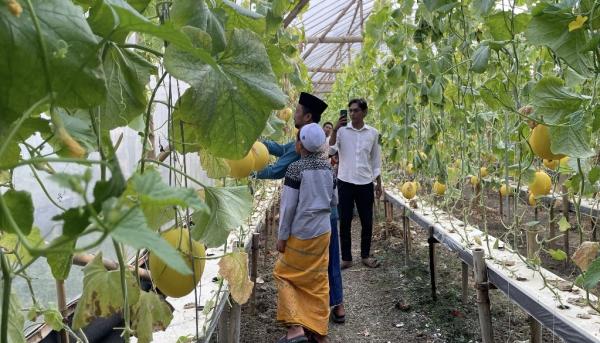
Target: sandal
x,y
297,339
370,262
337,319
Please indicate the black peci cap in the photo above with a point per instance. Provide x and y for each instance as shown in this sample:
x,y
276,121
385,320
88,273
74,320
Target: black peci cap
x,y
315,104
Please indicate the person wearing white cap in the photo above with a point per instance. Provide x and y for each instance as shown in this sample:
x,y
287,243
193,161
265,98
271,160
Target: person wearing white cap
x,y
303,240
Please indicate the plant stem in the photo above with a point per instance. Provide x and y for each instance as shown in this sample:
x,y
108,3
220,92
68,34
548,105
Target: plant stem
x,y
123,268
148,113
7,279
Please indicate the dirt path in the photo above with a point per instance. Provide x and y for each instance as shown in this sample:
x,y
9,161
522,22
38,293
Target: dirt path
x,y
372,297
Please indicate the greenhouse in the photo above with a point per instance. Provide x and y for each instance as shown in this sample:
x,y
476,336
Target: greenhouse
x,y
299,171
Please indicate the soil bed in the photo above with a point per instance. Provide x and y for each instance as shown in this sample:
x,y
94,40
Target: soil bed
x,y
372,297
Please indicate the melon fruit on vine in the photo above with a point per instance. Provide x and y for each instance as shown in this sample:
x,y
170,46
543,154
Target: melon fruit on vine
x,y
483,171
532,201
261,156
285,114
474,180
540,143
505,190
169,281
541,184
439,188
551,164
241,168
409,190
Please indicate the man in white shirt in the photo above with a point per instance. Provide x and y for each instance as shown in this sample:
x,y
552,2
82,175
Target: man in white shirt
x,y
359,165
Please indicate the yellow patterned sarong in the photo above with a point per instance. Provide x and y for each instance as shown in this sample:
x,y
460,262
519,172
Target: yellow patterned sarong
x,y
302,283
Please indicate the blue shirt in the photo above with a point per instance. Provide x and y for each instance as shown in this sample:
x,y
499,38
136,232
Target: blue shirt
x,y
287,155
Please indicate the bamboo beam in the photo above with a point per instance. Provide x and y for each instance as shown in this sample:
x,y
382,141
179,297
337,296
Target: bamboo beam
x,y
331,40
328,29
324,70
294,13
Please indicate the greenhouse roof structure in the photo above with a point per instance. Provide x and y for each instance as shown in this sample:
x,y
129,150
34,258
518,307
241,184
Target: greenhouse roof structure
x,y
333,30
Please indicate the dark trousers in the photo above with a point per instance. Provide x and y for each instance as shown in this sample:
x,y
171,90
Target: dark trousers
x,y
363,196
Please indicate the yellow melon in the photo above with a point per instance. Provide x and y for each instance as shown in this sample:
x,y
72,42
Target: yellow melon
x,y
541,184
409,169
439,188
261,156
409,190
169,281
483,171
505,190
540,143
241,168
285,114
532,200
474,180
551,164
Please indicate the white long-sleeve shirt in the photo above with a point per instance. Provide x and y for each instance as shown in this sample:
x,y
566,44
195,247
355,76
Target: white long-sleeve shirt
x,y
359,154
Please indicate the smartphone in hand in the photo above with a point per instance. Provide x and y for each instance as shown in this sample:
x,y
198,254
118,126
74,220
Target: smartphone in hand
x,y
344,114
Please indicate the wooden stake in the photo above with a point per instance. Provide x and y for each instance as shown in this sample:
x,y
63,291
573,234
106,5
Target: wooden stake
x,y
501,203
406,229
254,269
483,297
465,282
223,326
61,296
432,241
235,318
532,249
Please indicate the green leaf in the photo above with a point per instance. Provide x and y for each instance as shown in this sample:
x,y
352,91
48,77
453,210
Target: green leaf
x,y
563,224
482,7
435,93
550,27
592,275
439,5
127,75
558,254
481,58
74,65
495,94
102,294
60,264
198,14
116,18
149,314
54,319
75,219
20,206
215,167
79,125
16,320
151,189
501,25
553,102
239,17
15,251
229,207
594,175
571,140
229,109
131,228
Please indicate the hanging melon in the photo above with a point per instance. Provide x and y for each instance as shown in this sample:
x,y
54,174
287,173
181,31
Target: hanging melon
x,y
540,143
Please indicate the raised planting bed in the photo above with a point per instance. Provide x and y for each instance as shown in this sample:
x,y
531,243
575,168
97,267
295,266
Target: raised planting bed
x,y
554,308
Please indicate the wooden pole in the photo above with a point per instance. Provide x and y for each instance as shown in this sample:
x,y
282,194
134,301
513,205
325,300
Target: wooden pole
x,y
483,297
406,229
254,269
532,249
223,326
565,211
501,203
432,241
61,296
465,282
294,13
